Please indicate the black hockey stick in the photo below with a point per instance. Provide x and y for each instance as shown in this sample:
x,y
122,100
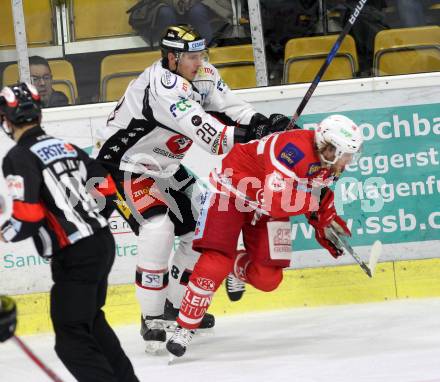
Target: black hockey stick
x,y
352,19
37,361
340,242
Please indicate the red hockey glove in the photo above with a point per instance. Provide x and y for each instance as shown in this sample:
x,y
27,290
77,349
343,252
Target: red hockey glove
x,y
326,211
321,238
325,216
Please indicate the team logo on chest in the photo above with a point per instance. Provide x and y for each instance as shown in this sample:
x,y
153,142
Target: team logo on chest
x,y
290,155
178,144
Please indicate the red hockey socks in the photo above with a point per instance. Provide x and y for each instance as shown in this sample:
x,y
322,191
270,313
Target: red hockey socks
x,y
208,274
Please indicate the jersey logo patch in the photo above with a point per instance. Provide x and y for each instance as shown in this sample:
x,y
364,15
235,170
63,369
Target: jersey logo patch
x,y
168,80
196,120
290,155
152,280
52,150
15,184
205,71
205,283
178,144
180,107
314,168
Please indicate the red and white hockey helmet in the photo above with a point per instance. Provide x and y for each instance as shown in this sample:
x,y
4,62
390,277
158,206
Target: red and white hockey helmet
x,y
342,133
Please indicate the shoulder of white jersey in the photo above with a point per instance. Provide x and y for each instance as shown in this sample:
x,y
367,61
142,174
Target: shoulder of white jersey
x,y
167,82
145,75
140,82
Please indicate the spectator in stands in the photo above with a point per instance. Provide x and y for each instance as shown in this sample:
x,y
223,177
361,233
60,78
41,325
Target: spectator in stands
x,y
283,20
411,13
151,17
41,77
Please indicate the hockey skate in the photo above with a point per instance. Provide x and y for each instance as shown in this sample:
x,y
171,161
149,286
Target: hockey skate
x,y
171,313
153,333
235,287
179,341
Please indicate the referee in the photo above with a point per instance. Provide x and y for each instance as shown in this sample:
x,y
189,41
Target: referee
x,y
46,178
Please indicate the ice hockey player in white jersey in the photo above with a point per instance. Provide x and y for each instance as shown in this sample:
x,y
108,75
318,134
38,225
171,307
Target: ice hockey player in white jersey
x,y
168,108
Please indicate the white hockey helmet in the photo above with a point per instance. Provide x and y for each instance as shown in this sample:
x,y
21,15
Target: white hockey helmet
x,y
342,133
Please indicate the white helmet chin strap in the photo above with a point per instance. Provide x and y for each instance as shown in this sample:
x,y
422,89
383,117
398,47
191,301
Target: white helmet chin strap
x,y
178,56
326,161
338,154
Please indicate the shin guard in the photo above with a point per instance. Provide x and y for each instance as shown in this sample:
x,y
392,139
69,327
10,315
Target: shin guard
x,y
209,272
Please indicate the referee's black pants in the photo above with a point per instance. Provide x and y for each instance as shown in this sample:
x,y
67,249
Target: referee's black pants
x,y
84,341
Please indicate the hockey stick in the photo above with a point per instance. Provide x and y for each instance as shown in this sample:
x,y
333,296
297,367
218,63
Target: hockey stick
x,y
341,242
351,20
2,205
37,361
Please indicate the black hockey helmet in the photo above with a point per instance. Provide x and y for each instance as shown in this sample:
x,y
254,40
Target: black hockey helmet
x,y
20,103
179,39
182,38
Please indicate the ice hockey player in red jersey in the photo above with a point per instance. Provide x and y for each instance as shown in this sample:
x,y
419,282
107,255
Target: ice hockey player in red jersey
x,y
259,186
163,112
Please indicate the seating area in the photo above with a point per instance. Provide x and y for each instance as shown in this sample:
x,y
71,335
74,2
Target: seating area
x,y
39,20
100,22
86,18
235,64
396,51
118,70
409,50
304,56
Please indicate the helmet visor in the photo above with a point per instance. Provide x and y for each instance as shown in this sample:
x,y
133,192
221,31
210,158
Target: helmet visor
x,y
330,155
201,56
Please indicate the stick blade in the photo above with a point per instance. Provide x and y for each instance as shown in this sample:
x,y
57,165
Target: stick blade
x,y
375,253
171,359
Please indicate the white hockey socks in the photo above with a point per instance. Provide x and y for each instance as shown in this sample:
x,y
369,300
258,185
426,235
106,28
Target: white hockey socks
x,y
155,243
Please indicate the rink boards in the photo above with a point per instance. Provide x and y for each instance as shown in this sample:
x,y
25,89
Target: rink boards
x,y
391,195
300,288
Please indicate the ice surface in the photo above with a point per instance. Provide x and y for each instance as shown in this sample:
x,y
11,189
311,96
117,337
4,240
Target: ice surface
x,y
382,342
